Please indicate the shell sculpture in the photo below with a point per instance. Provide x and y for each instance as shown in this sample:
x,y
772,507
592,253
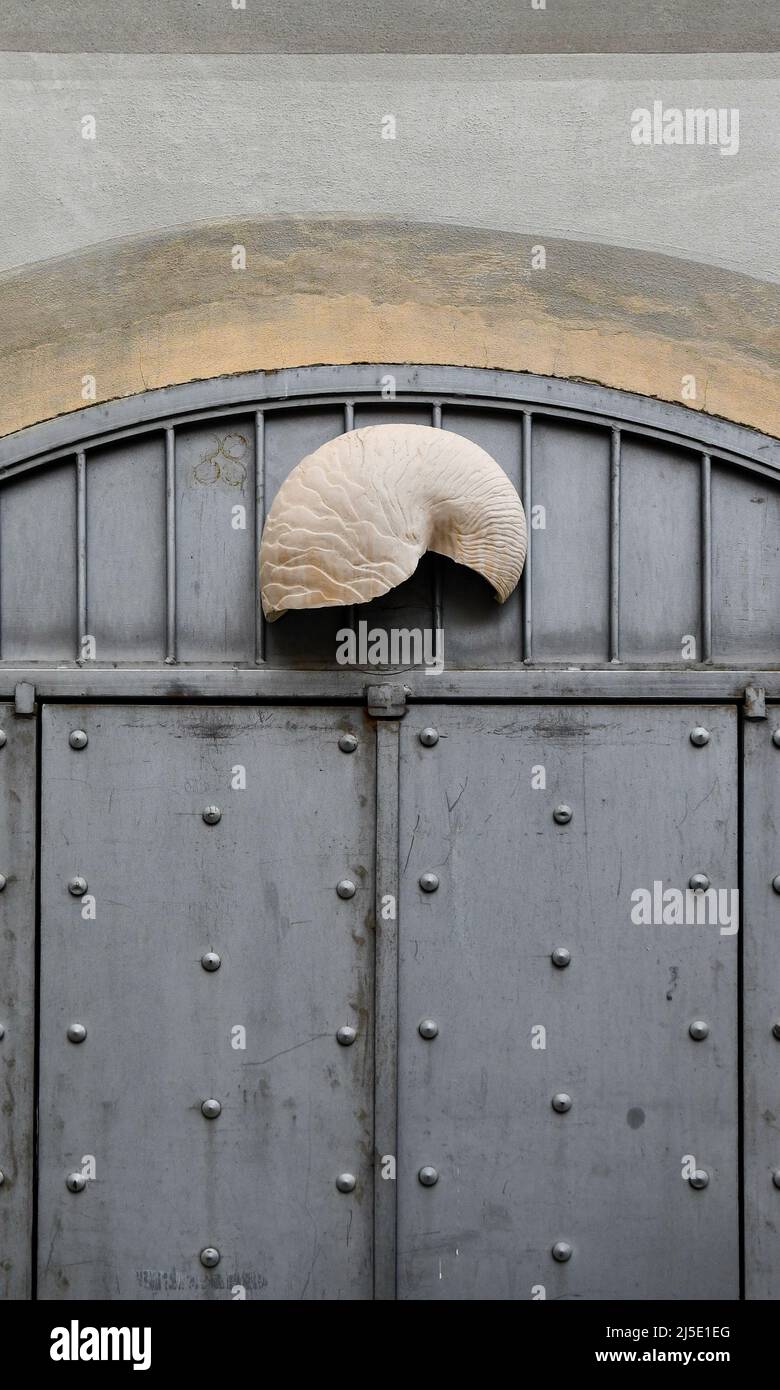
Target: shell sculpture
x,y
352,520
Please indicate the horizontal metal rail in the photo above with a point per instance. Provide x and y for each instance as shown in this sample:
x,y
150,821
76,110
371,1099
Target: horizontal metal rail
x,y
641,684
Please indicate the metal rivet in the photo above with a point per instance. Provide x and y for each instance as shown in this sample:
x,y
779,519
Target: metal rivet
x,y
346,1182
2,1178
776,738
776,1030
346,1035
776,1177
212,815
3,738
561,1102
211,961
776,883
345,888
562,814
561,1251
210,1109
428,1029
76,1033
2,1031
77,886
210,1257
699,883
78,739
699,1029
3,882
429,882
75,1182
700,737
561,957
429,737
699,1179
428,1176
348,743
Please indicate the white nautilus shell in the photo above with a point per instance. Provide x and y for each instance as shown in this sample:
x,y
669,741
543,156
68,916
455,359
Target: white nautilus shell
x,y
353,519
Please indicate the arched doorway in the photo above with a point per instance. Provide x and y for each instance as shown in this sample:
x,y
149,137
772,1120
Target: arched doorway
x,y
541,1092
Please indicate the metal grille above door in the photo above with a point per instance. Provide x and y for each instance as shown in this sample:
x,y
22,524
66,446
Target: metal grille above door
x,y
195,949
129,531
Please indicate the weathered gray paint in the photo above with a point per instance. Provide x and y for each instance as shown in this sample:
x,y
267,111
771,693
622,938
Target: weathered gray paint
x,y
17,1001
299,686
386,1008
660,555
475,955
38,590
209,484
125,499
761,975
628,556
297,963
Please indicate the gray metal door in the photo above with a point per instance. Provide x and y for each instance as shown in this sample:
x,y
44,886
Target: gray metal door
x,y
137,1183
566,1105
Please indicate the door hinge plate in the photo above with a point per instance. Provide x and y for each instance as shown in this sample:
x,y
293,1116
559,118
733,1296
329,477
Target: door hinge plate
x,y
755,702
386,701
24,699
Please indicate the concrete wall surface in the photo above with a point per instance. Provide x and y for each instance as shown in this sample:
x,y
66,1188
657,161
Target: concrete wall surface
x,y
485,210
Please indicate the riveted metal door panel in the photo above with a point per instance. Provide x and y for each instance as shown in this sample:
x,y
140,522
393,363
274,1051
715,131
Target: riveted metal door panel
x,y
17,1000
164,1034
761,976
650,1105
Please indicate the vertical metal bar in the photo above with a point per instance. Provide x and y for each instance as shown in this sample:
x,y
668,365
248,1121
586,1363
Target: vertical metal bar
x,y
349,424
2,614
706,558
386,1007
259,523
170,546
527,589
81,552
438,594
745,740
614,547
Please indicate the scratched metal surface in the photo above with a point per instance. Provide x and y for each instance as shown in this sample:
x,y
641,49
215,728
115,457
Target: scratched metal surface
x,y
258,1182
17,1001
475,1103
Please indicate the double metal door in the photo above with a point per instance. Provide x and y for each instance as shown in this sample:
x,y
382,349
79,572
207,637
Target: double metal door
x,y
326,1002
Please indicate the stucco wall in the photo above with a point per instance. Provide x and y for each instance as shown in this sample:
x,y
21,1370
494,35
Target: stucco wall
x,y
151,312
115,253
